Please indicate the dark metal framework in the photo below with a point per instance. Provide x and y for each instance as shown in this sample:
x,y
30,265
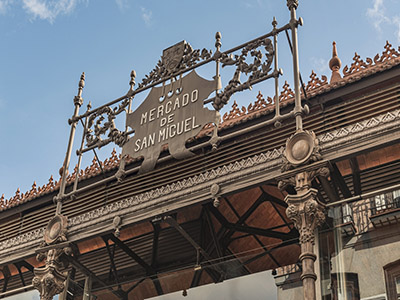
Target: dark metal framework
x,y
248,60
212,248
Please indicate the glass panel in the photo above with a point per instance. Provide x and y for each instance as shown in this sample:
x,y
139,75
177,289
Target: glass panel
x,y
396,199
398,286
346,211
380,202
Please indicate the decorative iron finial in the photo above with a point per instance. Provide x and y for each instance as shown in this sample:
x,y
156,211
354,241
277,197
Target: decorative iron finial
x,y
218,43
292,4
335,64
82,81
132,82
274,22
89,106
78,100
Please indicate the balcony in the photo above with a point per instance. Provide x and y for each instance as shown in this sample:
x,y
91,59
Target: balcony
x,y
385,209
347,227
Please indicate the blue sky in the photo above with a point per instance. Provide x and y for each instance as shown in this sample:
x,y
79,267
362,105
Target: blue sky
x,y
46,44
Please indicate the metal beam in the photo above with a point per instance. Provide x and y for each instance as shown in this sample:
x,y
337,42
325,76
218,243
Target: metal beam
x,y
149,270
242,219
258,256
134,286
252,230
175,224
156,235
212,231
255,236
356,176
196,278
20,274
329,191
7,275
85,271
131,253
273,199
338,179
26,265
113,267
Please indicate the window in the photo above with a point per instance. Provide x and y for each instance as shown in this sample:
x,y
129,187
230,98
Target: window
x,y
386,201
349,284
347,213
392,278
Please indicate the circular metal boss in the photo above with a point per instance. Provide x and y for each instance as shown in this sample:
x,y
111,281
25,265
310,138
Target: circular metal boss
x,y
299,148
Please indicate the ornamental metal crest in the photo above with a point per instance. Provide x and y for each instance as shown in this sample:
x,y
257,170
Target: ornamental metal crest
x,y
170,114
173,55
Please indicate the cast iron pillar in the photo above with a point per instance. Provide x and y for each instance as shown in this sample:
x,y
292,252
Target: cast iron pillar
x,y
307,213
302,163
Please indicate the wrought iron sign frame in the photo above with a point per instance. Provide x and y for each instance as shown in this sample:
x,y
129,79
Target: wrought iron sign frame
x,y
99,122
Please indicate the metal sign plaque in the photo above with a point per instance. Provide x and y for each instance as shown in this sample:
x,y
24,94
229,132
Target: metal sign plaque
x,y
169,115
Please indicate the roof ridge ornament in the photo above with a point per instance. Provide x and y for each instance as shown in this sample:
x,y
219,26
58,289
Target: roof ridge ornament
x,y
260,103
315,82
287,93
335,64
389,56
235,112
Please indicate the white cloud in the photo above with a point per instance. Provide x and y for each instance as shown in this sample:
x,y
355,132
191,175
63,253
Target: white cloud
x,y
48,9
378,16
253,4
319,65
147,16
4,5
122,4
396,22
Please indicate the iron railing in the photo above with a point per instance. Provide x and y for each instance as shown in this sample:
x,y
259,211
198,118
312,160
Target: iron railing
x,y
360,212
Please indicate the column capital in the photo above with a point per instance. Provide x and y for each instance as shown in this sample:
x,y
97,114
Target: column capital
x,y
306,212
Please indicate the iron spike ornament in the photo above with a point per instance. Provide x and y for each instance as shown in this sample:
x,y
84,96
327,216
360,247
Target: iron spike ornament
x,y
171,114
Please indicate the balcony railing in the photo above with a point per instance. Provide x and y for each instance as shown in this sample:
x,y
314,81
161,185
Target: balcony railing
x,y
377,211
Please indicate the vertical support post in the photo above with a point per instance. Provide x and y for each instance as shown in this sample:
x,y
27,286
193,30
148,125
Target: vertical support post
x,y
214,139
87,291
276,74
218,45
78,101
292,5
64,293
307,214
339,259
89,106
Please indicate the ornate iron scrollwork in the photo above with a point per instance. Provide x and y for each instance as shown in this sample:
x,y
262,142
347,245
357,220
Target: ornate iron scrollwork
x,y
175,59
93,135
255,70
